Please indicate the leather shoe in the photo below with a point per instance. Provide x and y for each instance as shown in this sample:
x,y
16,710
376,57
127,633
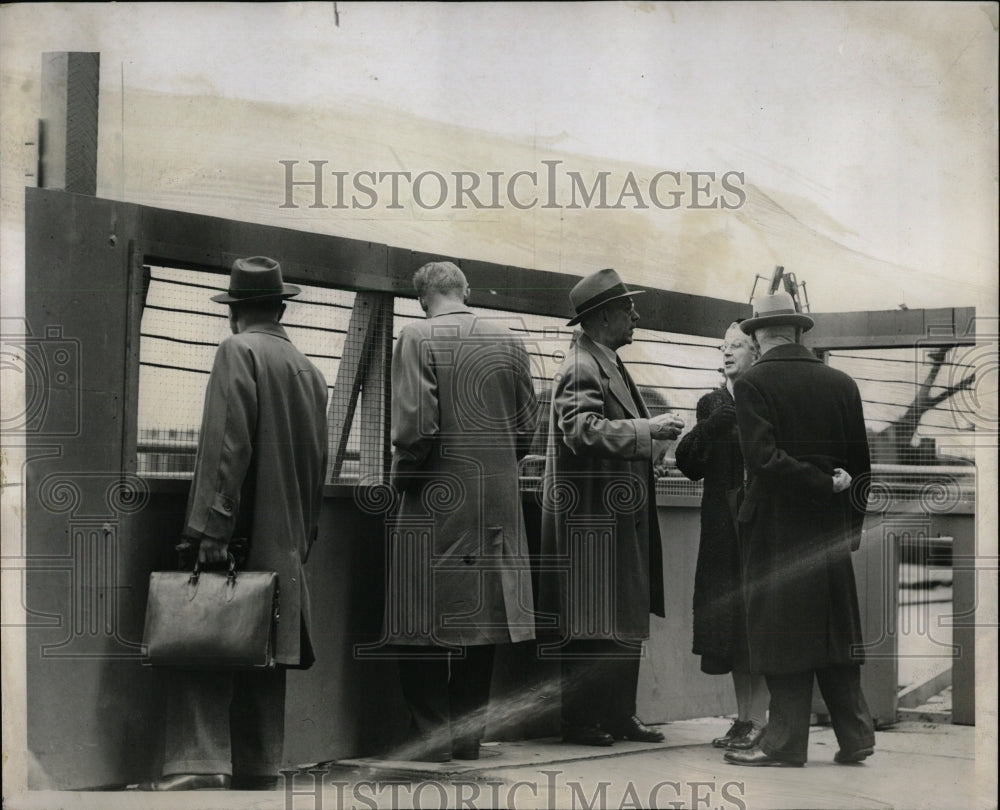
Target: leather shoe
x,y
755,756
465,749
750,737
190,781
632,728
587,735
849,757
736,730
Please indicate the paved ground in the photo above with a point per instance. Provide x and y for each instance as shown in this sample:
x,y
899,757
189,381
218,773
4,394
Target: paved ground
x,y
916,765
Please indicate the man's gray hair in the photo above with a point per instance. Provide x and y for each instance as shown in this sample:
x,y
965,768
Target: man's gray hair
x,y
442,277
787,334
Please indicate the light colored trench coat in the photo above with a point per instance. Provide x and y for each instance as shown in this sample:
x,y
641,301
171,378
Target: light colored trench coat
x,y
463,414
261,465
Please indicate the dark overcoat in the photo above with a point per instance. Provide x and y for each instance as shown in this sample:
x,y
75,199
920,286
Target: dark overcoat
x,y
463,414
602,562
714,456
798,420
261,465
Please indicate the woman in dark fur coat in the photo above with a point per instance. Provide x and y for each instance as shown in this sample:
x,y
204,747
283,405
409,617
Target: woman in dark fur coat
x,y
711,451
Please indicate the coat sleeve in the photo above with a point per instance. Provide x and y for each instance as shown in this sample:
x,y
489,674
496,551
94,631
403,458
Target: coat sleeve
x,y
415,414
225,445
317,503
692,451
526,403
761,453
578,407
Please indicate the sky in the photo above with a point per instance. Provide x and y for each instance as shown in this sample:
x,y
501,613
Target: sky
x,y
883,116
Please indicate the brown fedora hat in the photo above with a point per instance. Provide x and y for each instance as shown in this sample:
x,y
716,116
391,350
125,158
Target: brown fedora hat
x,y
255,279
595,291
777,309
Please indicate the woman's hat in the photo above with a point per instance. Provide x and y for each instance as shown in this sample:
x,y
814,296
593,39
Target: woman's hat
x,y
255,279
595,291
777,309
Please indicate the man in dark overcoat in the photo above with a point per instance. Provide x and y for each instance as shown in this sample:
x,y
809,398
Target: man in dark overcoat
x,y
258,475
803,438
463,414
602,572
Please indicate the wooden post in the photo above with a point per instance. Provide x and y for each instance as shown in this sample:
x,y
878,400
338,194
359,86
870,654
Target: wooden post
x,y
67,149
350,377
376,395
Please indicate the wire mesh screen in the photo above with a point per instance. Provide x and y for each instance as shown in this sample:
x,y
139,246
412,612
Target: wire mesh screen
x,y
179,333
920,417
360,399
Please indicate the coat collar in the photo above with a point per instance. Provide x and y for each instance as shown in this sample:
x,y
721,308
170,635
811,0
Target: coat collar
x,y
788,351
460,309
609,368
274,329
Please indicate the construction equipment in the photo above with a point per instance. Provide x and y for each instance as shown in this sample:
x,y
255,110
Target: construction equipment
x,y
791,284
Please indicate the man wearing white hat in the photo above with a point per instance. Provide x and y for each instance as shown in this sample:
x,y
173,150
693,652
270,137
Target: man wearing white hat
x,y
259,474
802,433
603,570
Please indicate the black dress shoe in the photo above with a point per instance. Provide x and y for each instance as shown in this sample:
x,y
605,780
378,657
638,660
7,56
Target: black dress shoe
x,y
754,756
587,735
736,730
465,749
632,728
750,737
850,757
190,781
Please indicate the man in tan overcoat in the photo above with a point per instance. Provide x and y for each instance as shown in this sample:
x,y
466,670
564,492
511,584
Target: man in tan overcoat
x,y
602,570
259,475
463,414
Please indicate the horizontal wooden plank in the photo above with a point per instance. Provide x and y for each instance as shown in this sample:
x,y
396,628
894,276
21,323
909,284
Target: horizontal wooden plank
x,y
892,328
206,242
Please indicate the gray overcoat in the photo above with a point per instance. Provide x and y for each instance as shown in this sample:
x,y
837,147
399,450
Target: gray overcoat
x,y
261,465
463,414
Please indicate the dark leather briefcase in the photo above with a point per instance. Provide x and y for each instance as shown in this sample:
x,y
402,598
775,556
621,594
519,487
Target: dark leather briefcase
x,y
211,620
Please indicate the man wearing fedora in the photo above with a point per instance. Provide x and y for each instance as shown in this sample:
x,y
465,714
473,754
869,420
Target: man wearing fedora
x,y
602,574
259,474
802,433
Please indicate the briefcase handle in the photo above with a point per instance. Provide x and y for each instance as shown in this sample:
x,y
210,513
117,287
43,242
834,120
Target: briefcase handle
x,y
230,578
238,547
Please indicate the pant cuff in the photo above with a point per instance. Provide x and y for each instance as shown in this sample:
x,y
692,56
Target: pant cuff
x,y
783,756
197,766
855,745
